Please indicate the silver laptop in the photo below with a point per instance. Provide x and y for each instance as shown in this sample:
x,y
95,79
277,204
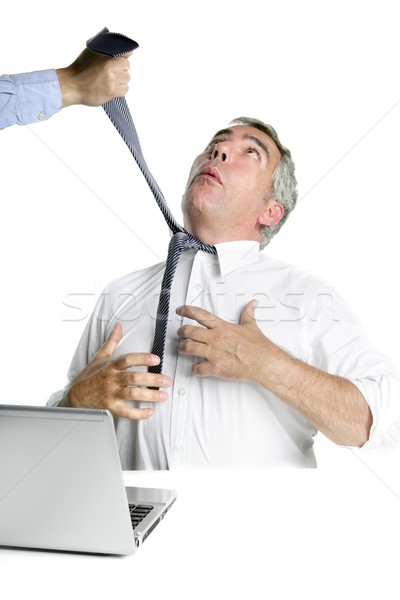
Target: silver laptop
x,y
61,484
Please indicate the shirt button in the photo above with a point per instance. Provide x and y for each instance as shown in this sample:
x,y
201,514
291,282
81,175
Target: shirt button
x,y
179,450
181,391
197,287
41,116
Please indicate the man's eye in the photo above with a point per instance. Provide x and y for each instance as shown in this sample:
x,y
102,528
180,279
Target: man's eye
x,y
253,152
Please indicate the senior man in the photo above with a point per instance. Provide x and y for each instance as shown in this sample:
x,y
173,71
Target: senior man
x,y
259,355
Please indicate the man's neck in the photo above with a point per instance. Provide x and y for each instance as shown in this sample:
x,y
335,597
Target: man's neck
x,y
210,237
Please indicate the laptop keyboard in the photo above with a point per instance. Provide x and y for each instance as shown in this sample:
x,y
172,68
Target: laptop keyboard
x,y
138,512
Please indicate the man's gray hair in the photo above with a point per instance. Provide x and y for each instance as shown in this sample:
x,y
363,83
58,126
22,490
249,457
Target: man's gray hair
x,y
284,183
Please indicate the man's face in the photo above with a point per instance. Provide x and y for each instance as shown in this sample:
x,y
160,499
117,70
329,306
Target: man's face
x,y
228,185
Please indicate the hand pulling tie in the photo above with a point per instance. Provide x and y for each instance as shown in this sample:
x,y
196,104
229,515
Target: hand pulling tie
x,y
116,44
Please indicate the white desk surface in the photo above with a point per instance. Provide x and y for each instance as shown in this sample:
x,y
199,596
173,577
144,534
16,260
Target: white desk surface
x,y
330,533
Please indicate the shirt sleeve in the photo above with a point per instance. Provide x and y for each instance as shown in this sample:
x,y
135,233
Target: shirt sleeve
x,y
29,97
341,347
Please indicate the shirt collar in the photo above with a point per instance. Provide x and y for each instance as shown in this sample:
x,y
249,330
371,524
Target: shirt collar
x,y
233,255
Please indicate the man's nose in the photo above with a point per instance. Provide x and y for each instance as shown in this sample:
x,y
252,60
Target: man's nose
x,y
220,151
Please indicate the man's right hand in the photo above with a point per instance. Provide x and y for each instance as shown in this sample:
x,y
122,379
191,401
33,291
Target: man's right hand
x,y
106,383
93,79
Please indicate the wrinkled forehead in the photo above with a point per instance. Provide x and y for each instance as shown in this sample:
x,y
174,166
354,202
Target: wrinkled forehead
x,y
248,132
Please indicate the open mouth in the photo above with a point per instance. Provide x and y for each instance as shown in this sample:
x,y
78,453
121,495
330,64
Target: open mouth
x,y
212,173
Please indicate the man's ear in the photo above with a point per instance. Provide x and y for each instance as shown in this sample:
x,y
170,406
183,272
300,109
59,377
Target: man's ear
x,y
272,213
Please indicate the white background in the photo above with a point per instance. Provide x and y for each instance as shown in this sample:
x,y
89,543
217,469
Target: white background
x,y
75,212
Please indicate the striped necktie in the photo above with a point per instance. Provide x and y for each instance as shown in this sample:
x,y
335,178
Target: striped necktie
x,y
116,44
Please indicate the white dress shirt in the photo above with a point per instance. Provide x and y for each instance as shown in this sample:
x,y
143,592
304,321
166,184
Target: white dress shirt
x,y
218,423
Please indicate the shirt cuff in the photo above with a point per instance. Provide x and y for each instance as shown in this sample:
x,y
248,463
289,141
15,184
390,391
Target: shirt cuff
x,y
38,96
382,395
56,398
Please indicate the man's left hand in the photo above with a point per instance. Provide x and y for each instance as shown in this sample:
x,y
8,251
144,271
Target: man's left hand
x,y
230,351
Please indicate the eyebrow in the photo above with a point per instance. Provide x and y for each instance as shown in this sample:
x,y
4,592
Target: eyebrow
x,y
228,134
259,143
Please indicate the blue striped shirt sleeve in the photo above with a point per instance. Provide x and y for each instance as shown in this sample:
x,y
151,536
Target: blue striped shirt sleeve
x,y
28,97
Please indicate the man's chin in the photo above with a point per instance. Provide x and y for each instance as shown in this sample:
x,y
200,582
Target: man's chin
x,y
200,197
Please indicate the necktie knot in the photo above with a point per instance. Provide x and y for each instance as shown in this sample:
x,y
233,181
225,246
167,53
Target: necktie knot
x,y
182,240
196,244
